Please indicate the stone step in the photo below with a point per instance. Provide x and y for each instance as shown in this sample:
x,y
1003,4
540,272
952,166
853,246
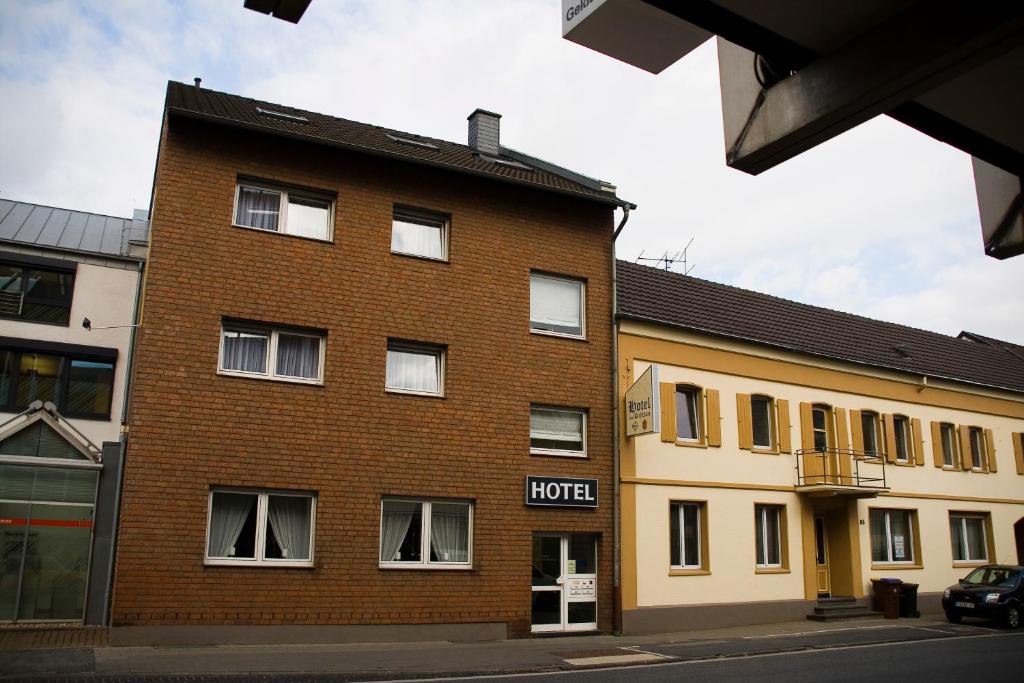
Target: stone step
x,y
836,609
844,614
837,599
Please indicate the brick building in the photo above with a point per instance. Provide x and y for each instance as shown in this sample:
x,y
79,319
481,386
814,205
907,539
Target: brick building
x,y
357,346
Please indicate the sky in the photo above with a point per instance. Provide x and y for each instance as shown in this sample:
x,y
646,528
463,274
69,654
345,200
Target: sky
x,y
881,221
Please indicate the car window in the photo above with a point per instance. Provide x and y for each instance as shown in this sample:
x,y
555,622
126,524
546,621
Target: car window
x,y
994,576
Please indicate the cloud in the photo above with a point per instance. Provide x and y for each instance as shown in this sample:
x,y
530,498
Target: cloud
x,y
880,221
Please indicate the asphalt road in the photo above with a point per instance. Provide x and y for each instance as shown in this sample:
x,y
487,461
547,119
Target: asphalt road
x,y
990,658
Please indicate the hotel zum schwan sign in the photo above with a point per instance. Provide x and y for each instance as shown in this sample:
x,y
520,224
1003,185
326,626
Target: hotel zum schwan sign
x,y
642,410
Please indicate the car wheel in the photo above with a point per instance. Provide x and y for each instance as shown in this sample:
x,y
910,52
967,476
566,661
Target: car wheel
x,y
1012,616
953,617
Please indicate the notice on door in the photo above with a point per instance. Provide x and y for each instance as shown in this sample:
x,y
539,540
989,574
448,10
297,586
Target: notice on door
x,y
642,413
582,588
898,546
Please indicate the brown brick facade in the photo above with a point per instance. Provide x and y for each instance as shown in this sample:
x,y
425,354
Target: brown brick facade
x,y
348,440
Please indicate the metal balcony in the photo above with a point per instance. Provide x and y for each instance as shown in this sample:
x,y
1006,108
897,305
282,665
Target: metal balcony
x,y
840,472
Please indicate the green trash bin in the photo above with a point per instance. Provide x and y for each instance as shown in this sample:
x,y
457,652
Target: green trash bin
x,y
886,597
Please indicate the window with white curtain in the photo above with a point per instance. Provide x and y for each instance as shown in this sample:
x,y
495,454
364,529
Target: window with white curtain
x,y
260,528
968,536
414,368
558,431
278,209
419,233
556,305
892,539
251,350
768,527
424,533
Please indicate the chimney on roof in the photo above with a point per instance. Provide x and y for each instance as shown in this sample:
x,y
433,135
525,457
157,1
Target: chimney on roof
x,y
485,132
198,81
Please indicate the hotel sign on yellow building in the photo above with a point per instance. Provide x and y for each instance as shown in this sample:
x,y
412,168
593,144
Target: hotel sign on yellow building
x,y
642,413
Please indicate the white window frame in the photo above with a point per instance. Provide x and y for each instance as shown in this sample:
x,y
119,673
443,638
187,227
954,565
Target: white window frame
x,y
976,437
407,214
875,421
962,517
761,518
908,454
262,505
562,451
771,420
680,542
271,359
426,505
696,415
423,348
583,305
890,552
282,217
949,442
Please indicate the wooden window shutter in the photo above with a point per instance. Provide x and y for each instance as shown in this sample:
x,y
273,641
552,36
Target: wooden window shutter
x,y
965,446
1018,451
668,411
783,426
857,433
990,452
744,421
890,438
937,456
842,436
806,427
918,445
713,428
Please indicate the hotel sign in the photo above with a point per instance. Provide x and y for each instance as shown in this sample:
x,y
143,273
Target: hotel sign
x,y
561,492
642,410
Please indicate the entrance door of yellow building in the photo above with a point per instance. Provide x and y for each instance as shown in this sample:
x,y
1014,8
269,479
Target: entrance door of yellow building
x,y
821,555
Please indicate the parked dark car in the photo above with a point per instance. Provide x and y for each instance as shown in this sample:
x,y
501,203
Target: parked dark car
x,y
994,591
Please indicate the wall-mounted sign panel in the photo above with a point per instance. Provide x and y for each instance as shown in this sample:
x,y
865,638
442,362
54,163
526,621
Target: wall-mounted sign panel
x,y
561,492
581,588
642,411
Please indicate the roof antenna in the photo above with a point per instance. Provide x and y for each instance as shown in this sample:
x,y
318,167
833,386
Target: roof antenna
x,y
198,81
666,262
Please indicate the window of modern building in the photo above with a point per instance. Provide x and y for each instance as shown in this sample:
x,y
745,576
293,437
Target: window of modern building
x,y
79,385
557,305
260,528
415,232
977,441
947,436
687,534
761,421
969,537
902,437
254,350
769,529
35,293
415,368
424,533
558,431
871,431
688,413
279,209
892,536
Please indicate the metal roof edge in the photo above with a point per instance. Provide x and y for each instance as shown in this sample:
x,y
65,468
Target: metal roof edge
x,y
66,250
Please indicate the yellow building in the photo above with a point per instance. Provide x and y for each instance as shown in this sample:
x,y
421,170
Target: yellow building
x,y
802,452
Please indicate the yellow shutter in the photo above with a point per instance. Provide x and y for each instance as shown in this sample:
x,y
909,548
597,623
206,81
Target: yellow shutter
x,y
842,436
965,446
806,427
857,433
714,418
1018,451
784,426
890,438
915,431
937,444
990,452
668,411
744,422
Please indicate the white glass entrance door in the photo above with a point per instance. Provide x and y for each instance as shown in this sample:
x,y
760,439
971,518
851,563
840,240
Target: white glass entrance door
x,y
564,582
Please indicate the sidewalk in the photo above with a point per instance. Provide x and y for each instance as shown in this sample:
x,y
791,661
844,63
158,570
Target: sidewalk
x,y
377,661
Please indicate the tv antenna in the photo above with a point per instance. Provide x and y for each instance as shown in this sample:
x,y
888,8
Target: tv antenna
x,y
666,260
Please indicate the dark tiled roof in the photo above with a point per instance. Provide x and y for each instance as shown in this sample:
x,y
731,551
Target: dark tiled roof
x,y
681,301
244,112
65,229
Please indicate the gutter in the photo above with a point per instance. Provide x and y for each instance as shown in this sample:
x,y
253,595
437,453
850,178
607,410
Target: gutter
x,y
616,505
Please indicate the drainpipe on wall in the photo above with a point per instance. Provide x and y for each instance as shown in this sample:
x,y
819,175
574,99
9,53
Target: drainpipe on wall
x,y
616,534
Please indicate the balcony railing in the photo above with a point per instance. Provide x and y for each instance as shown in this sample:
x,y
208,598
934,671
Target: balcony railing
x,y
840,467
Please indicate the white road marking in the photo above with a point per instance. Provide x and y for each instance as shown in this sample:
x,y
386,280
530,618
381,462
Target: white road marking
x,y
616,659
827,630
